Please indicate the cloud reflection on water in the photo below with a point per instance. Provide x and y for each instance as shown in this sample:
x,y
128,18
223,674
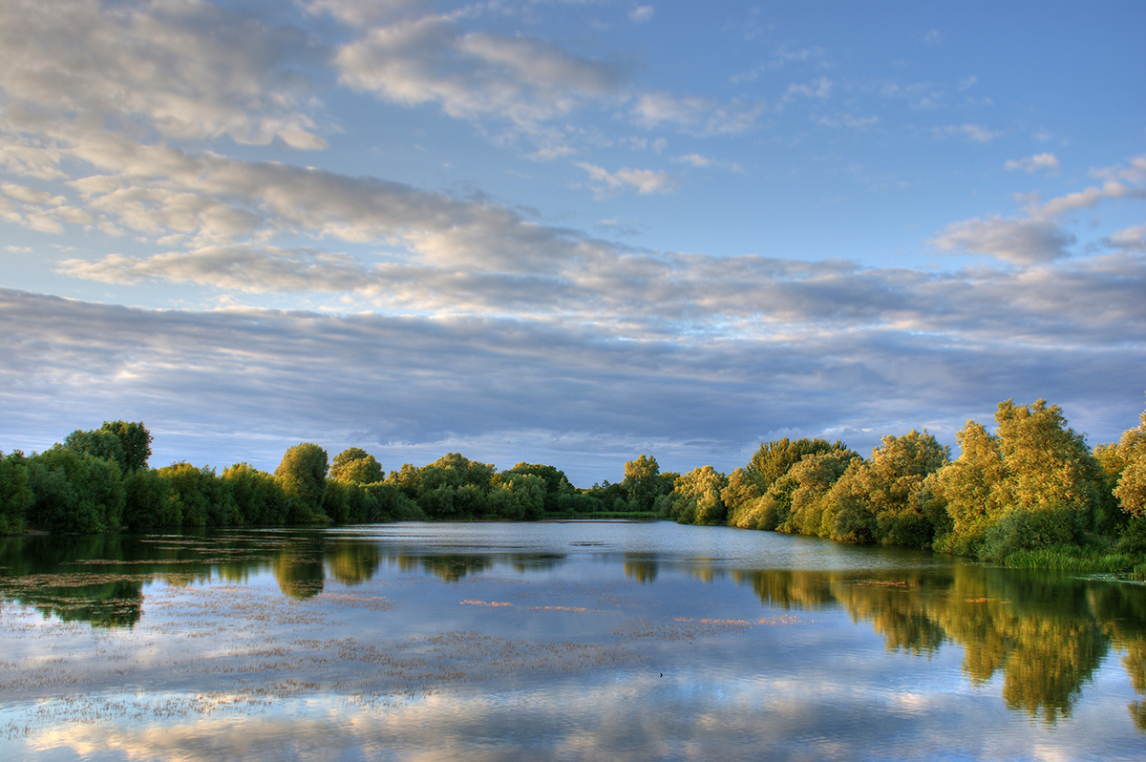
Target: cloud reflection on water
x,y
372,643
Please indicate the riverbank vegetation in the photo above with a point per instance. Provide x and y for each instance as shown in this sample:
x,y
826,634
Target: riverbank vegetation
x,y
1030,494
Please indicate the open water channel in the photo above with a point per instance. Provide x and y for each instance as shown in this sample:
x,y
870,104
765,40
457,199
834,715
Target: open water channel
x,y
555,641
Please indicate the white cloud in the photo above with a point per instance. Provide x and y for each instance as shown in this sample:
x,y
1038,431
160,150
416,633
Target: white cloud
x,y
1130,239
1044,162
1089,197
25,194
361,13
849,121
238,268
641,14
1039,236
694,159
644,181
704,162
820,88
188,70
696,115
472,75
1018,241
975,132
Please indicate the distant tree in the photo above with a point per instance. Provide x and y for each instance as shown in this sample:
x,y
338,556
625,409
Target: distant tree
x,y
642,483
74,492
744,489
149,502
98,443
135,440
1131,490
302,475
518,497
455,487
774,459
259,498
408,480
128,444
747,499
356,466
200,496
556,484
697,496
15,495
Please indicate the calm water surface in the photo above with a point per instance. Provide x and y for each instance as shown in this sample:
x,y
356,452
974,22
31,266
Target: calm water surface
x,y
563,641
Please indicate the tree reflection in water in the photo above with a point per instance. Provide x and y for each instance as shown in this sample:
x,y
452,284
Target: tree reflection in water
x,y
1045,634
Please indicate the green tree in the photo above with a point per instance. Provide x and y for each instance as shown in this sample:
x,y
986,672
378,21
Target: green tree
x,y
1032,485
408,480
15,495
518,496
642,483
302,476
199,496
810,481
747,501
1125,467
879,500
455,487
135,440
258,497
1131,490
745,488
356,466
97,443
148,501
74,492
697,497
775,459
556,484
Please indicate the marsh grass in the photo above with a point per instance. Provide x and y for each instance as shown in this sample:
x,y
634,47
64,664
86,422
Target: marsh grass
x,y
1090,560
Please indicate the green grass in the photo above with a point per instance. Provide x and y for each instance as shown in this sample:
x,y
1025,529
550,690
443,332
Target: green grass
x,y
1081,560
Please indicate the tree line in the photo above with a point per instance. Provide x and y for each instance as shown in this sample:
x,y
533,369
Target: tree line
x,y
1032,486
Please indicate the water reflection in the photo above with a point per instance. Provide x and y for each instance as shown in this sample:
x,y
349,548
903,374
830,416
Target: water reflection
x,y
1045,635
641,567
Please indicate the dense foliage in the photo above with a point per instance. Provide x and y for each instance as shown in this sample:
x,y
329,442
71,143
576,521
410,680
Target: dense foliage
x,y
1030,493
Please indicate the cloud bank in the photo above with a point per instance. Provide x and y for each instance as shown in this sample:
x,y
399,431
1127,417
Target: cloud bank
x,y
142,148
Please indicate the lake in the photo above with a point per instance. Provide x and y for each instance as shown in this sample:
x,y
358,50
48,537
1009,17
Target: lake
x,y
555,641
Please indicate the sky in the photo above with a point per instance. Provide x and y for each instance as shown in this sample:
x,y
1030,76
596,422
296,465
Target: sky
x,y
566,231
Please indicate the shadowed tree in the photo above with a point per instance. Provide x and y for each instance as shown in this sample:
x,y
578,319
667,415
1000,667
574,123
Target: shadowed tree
x,y
135,440
74,492
99,444
15,495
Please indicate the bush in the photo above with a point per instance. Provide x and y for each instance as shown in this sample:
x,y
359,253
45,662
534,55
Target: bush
x,y
74,493
1019,529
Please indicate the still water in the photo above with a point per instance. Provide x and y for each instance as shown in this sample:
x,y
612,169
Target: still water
x,y
561,641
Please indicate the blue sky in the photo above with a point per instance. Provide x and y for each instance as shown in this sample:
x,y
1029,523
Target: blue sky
x,y
566,232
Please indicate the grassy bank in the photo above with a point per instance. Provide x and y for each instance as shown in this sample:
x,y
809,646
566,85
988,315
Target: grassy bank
x,y
1088,560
